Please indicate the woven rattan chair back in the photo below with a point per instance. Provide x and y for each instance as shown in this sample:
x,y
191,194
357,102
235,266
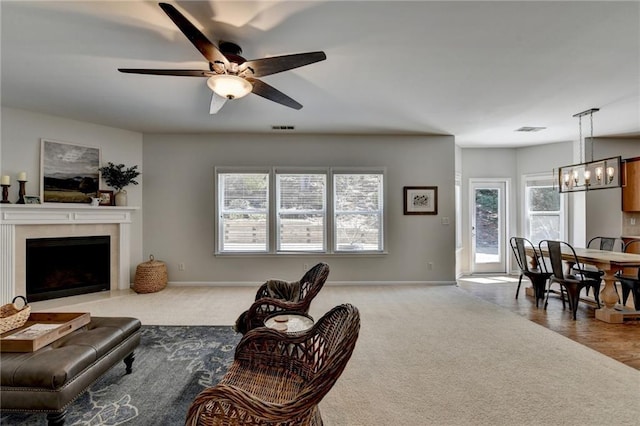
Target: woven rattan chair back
x,y
278,378
312,281
310,285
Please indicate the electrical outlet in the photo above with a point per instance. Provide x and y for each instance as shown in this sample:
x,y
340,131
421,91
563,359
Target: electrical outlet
x,y
305,267
430,266
180,266
633,220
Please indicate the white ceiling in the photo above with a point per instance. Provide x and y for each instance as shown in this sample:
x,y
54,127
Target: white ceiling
x,y
477,70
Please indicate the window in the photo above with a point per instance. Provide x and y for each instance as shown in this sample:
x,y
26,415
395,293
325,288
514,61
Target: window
x,y
243,206
358,211
301,211
544,212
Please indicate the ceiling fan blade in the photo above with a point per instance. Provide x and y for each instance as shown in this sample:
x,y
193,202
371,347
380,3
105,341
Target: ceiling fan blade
x,y
276,64
184,73
217,102
261,88
202,43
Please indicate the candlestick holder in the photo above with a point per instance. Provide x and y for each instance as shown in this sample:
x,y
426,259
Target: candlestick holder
x,y
5,194
21,192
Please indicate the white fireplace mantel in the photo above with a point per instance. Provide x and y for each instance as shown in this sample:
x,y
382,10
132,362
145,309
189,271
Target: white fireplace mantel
x,y
13,216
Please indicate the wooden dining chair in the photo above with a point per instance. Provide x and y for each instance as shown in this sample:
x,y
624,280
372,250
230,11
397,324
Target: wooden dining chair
x,y
537,275
572,283
630,283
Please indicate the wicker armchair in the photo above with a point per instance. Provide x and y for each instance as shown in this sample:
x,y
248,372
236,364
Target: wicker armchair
x,y
265,305
278,378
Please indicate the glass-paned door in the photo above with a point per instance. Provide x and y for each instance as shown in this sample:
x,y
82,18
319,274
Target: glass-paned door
x,y
488,226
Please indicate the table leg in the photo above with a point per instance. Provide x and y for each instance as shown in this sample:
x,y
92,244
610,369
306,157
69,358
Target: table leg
x,y
609,297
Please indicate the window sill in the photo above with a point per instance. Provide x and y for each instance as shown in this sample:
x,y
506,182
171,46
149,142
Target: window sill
x,y
317,254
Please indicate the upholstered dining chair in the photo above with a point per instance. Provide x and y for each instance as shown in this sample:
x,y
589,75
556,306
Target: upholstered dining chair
x,y
276,295
572,283
537,275
630,283
278,378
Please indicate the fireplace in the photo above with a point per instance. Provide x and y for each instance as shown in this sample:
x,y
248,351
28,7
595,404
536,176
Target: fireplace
x,y
67,266
22,222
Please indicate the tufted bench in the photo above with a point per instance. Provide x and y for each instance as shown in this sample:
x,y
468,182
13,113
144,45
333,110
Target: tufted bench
x,y
49,379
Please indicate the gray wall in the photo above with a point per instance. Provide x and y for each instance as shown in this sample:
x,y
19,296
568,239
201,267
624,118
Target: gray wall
x,y
604,207
179,201
20,151
178,193
486,163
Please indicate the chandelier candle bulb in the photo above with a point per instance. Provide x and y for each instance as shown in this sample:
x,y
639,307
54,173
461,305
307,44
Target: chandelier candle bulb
x,y
610,173
587,177
599,174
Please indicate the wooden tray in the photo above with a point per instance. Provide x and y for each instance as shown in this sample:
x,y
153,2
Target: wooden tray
x,y
41,329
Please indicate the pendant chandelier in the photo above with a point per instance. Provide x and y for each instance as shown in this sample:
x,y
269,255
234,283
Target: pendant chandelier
x,y
589,175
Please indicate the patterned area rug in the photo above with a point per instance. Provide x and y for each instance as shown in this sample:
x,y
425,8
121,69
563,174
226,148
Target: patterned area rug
x,y
173,364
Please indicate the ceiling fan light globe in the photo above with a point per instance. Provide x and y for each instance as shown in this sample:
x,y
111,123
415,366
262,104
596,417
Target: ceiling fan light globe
x,y
229,86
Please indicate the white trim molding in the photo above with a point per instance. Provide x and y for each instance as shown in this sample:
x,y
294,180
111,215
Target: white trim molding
x,y
20,220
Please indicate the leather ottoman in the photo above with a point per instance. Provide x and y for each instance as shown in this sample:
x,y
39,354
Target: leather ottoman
x,y
51,378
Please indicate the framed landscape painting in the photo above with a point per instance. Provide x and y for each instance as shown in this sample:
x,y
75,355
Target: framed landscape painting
x,y
420,200
69,172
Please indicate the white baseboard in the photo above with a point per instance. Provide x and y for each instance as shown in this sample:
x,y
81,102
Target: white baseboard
x,y
328,283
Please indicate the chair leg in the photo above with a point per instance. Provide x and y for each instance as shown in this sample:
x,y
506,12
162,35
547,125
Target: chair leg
x,y
546,299
518,289
573,293
539,285
562,291
636,296
596,293
625,294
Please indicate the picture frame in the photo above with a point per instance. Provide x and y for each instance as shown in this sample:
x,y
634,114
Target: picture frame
x,y
106,197
32,199
69,172
421,200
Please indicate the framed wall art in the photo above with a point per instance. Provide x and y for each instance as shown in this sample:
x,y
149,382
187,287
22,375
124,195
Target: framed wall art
x,y
69,172
421,200
106,197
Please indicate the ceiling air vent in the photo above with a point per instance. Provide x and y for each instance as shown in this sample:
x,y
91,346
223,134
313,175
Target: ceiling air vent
x,y
282,127
530,129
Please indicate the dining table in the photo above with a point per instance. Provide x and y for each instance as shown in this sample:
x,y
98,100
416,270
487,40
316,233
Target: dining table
x,y
609,262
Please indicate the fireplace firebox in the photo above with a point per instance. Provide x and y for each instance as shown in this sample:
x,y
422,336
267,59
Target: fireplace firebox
x,y
69,266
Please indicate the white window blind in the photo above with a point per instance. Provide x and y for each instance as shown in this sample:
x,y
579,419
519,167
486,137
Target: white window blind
x,y
543,208
301,215
358,211
299,210
243,206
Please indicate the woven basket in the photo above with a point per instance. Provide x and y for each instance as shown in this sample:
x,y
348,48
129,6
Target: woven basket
x,y
150,277
12,317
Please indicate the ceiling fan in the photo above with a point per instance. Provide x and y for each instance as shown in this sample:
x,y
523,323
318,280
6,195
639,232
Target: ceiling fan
x,y
230,76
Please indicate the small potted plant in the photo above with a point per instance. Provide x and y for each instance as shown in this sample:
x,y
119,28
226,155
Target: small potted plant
x,y
117,177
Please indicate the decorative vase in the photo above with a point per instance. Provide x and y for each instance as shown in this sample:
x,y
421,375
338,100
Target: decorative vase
x,y
121,198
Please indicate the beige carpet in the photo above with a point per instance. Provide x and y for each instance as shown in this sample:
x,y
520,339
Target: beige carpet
x,y
427,356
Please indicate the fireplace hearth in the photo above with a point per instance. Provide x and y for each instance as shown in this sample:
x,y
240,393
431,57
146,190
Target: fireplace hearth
x,y
67,266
